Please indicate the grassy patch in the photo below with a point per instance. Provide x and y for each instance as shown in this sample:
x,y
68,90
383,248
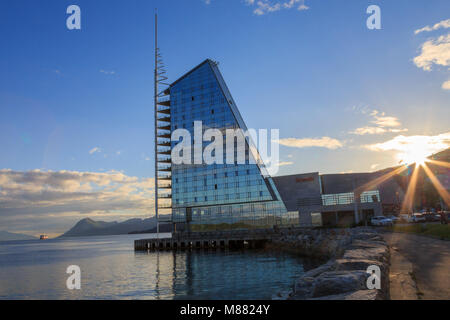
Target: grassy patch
x,y
440,231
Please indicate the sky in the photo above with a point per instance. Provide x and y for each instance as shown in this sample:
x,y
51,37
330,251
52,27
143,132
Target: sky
x,y
76,124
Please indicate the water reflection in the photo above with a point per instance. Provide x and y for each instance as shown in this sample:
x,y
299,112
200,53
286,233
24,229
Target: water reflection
x,y
110,269
222,274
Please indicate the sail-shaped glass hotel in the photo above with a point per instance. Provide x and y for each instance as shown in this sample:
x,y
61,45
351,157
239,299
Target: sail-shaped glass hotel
x,y
214,196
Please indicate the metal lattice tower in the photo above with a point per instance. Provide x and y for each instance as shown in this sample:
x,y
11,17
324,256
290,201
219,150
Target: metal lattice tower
x,y
163,162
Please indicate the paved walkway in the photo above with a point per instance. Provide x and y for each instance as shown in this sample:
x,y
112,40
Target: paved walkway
x,y
420,267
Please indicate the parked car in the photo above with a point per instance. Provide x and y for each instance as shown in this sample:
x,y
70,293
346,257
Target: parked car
x,y
381,221
404,217
412,218
394,219
418,217
431,217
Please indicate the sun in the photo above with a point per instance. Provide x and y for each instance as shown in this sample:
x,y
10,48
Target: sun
x,y
419,157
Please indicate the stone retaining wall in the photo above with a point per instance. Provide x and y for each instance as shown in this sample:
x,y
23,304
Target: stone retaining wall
x,y
343,276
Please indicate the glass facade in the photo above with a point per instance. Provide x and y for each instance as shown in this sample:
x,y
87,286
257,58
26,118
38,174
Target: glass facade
x,y
225,195
349,198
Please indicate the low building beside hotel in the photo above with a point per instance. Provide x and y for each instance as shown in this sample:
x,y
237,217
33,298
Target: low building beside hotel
x,y
328,200
352,198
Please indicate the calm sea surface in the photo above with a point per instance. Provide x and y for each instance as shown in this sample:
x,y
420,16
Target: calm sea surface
x,y
110,269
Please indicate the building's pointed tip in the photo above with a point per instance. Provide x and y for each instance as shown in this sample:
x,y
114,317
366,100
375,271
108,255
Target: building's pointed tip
x,y
212,61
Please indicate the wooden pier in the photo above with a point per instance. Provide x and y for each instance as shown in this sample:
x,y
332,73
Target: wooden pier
x,y
234,239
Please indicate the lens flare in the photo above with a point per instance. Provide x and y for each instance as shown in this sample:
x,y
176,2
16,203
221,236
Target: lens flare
x,y
418,157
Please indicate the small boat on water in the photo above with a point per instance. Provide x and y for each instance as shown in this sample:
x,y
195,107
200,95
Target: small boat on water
x,y
43,237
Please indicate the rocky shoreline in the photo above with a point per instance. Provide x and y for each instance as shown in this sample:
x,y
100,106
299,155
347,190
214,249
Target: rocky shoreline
x,y
344,276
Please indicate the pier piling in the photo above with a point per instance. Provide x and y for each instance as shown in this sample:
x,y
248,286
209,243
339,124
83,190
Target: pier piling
x,y
234,239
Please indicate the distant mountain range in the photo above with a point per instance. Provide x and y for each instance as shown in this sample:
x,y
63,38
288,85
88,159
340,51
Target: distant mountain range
x,y
89,227
9,236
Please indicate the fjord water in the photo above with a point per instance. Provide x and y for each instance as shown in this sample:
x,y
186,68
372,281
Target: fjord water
x,y
111,269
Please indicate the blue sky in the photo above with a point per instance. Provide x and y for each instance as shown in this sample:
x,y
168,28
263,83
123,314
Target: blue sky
x,y
318,74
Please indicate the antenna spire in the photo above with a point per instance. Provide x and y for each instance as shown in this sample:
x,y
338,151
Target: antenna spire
x,y
156,124
163,163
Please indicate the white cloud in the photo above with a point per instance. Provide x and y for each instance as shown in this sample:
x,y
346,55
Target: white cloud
x,y
268,6
94,150
108,72
435,51
385,121
368,130
446,85
262,7
413,145
324,142
373,166
444,24
383,124
50,197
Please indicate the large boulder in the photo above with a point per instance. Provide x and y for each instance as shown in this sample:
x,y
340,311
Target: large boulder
x,y
363,264
365,244
367,235
330,265
303,289
378,253
357,264
355,295
337,282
